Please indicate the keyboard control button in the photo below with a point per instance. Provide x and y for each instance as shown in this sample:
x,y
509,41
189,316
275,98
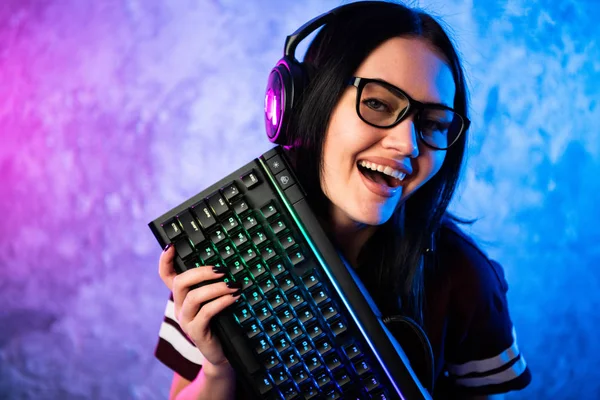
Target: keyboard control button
x,y
257,270
258,237
338,327
217,236
183,248
352,351
312,361
218,204
310,280
271,327
322,377
249,254
284,179
332,361
172,228
296,256
269,210
240,207
275,165
261,344
294,194
286,240
269,359
252,329
319,296
191,227
242,314
264,385
267,253
323,346
285,315
278,226
370,383
230,191
295,298
303,345
249,222
250,179
328,311
277,267
204,215
276,299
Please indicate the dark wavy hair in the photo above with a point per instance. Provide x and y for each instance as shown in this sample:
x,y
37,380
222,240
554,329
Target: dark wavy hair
x,y
394,255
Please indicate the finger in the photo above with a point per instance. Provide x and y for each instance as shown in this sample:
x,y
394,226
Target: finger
x,y
200,297
166,268
183,283
200,325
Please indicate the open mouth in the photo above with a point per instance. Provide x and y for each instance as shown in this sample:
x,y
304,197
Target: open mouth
x,y
380,174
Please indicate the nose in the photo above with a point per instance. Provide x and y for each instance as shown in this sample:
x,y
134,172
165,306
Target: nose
x,y
403,138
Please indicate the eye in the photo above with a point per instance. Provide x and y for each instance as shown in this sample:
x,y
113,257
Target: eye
x,y
430,127
376,105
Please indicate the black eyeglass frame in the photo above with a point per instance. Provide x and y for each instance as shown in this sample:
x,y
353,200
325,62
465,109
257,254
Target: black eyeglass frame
x,y
360,83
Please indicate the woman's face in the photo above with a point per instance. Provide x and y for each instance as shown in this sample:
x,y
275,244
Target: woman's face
x,y
361,197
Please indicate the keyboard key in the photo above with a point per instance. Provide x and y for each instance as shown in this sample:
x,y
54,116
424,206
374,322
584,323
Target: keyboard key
x,y
322,377
294,331
281,342
290,358
310,280
286,240
267,253
312,361
240,207
328,311
249,222
245,279
379,395
341,377
262,311
269,210
271,327
275,164
267,285
338,327
295,298
261,344
172,229
362,367
239,238
250,179
323,346
303,345
284,179
314,330
249,254
278,226
230,191
332,361
263,384
257,270
309,390
289,391
286,283
319,296
218,236
226,250
217,204
352,351
253,295
206,251
252,328
258,237
285,315
295,255
242,314
204,215
269,359
230,223
299,374
191,227
183,247
276,299
370,383
332,393
191,263
277,267
236,265
305,315
278,375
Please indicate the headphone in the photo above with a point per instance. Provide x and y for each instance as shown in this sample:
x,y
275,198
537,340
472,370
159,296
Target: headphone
x,y
289,78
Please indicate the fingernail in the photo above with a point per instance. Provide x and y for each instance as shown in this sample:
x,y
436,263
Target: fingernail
x,y
234,285
237,293
167,247
219,269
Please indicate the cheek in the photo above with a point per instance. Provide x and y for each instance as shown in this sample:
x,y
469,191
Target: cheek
x,y
429,164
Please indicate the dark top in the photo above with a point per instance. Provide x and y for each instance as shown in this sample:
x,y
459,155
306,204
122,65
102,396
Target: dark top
x,y
466,319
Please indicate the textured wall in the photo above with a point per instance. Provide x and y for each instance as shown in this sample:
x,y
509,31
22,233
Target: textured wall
x,y
112,112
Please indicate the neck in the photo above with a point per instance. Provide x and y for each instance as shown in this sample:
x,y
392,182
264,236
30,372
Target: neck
x,y
350,237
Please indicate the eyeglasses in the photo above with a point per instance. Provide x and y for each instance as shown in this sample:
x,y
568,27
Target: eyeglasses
x,y
383,105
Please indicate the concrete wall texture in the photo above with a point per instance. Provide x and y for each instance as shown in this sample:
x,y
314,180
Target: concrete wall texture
x,y
114,111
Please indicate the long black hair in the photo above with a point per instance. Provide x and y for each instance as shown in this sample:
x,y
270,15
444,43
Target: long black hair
x,y
394,254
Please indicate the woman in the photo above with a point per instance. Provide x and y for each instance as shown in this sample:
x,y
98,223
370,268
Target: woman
x,y
380,134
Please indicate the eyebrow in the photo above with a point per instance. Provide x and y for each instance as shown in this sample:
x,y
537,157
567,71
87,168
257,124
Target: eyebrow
x,y
427,103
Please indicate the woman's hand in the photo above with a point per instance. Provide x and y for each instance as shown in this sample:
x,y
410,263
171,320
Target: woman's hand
x,y
194,308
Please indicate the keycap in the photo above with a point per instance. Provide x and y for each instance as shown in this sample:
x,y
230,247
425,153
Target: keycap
x,y
239,238
361,367
172,228
240,206
258,237
218,236
276,299
303,345
296,256
321,377
295,298
332,361
206,251
249,221
250,179
253,295
249,254
263,384
278,375
285,315
258,269
242,314
230,191
328,311
191,227
299,374
204,215
323,346
236,265
277,267
267,253
271,327
269,359
277,226
294,331
252,328
319,296
370,382
183,247
338,327
286,240
352,351
261,344
290,358
285,179
269,210
275,164
309,390
230,223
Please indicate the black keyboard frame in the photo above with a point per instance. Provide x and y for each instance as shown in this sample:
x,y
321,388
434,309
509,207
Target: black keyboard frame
x,y
379,345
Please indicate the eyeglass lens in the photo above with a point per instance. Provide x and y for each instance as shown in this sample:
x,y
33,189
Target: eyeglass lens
x,y
382,107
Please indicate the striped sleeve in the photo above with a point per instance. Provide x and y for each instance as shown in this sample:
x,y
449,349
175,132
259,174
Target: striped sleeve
x,y
486,359
175,349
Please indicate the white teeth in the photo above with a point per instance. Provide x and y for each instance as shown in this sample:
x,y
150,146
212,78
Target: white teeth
x,y
384,169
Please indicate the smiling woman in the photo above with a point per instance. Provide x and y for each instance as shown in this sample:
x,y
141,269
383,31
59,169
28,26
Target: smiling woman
x,y
377,138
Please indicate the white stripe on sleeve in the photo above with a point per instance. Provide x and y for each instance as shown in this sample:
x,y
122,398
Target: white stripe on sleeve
x,y
504,376
169,333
